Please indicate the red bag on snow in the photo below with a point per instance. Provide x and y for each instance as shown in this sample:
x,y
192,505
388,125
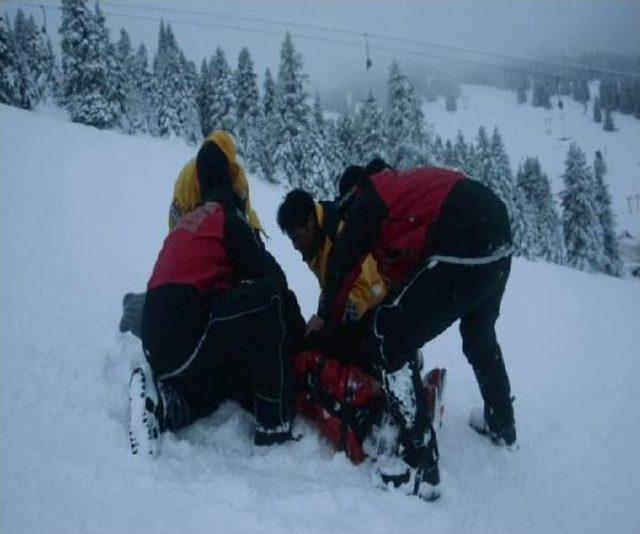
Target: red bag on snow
x,y
317,376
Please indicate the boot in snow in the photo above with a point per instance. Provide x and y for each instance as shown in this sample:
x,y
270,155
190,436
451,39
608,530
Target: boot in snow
x,y
497,424
422,479
144,426
383,439
414,469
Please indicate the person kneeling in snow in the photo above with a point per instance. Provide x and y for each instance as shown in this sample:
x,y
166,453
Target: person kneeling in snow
x,y
337,387
443,245
213,325
186,197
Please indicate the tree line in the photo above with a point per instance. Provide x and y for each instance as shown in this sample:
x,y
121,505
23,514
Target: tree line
x,y
283,132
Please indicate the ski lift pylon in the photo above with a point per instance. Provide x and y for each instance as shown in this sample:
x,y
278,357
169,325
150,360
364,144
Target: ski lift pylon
x,y
366,50
44,19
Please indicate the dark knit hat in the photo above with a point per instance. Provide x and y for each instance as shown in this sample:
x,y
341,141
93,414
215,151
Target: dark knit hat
x,y
212,167
349,179
375,166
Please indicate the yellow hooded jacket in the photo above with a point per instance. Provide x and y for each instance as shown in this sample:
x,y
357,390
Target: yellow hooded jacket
x,y
186,192
368,290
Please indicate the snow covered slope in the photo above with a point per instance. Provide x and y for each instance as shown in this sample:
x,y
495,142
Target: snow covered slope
x,y
547,134
83,217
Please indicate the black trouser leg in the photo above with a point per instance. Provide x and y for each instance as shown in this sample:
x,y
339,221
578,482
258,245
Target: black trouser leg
x,y
241,351
430,302
244,347
483,352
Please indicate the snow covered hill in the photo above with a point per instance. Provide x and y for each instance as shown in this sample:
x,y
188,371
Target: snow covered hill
x,y
547,134
83,217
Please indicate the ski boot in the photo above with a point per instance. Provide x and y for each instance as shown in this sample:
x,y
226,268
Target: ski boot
x,y
497,425
144,424
414,474
414,468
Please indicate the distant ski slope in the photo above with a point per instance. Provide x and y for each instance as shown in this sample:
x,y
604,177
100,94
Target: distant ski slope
x,y
546,134
83,217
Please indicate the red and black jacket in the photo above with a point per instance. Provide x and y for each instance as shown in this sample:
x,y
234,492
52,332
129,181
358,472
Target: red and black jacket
x,y
211,250
404,217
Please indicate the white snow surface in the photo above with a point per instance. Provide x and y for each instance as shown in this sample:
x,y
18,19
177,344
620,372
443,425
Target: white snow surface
x,y
83,217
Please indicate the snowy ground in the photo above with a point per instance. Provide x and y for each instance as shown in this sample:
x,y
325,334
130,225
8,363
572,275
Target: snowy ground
x,y
83,217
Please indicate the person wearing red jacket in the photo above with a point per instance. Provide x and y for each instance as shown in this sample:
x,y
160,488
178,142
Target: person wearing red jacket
x,y
216,322
443,246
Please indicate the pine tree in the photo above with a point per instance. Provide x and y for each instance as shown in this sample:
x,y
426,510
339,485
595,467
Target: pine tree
x,y
25,35
84,66
10,81
483,156
448,159
597,112
405,121
269,104
535,187
141,98
437,151
299,154
370,141
121,78
523,226
291,88
188,107
203,97
176,107
499,178
38,57
221,113
247,108
113,86
460,152
608,125
346,139
541,93
582,230
581,91
626,96
268,129
612,260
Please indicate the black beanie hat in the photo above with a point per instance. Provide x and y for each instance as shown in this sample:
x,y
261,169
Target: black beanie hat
x,y
349,179
375,166
212,168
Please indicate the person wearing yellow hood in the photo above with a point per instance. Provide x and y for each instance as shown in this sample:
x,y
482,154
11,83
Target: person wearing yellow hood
x,y
186,192
186,197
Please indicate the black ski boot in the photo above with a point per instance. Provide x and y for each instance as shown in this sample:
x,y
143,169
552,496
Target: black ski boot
x,y
153,410
271,426
497,423
414,469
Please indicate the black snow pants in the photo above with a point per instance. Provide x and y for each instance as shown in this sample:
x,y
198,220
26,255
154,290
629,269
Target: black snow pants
x,y
239,350
442,292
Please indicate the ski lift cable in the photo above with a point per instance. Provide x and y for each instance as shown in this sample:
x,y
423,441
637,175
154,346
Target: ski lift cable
x,y
418,53
563,64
